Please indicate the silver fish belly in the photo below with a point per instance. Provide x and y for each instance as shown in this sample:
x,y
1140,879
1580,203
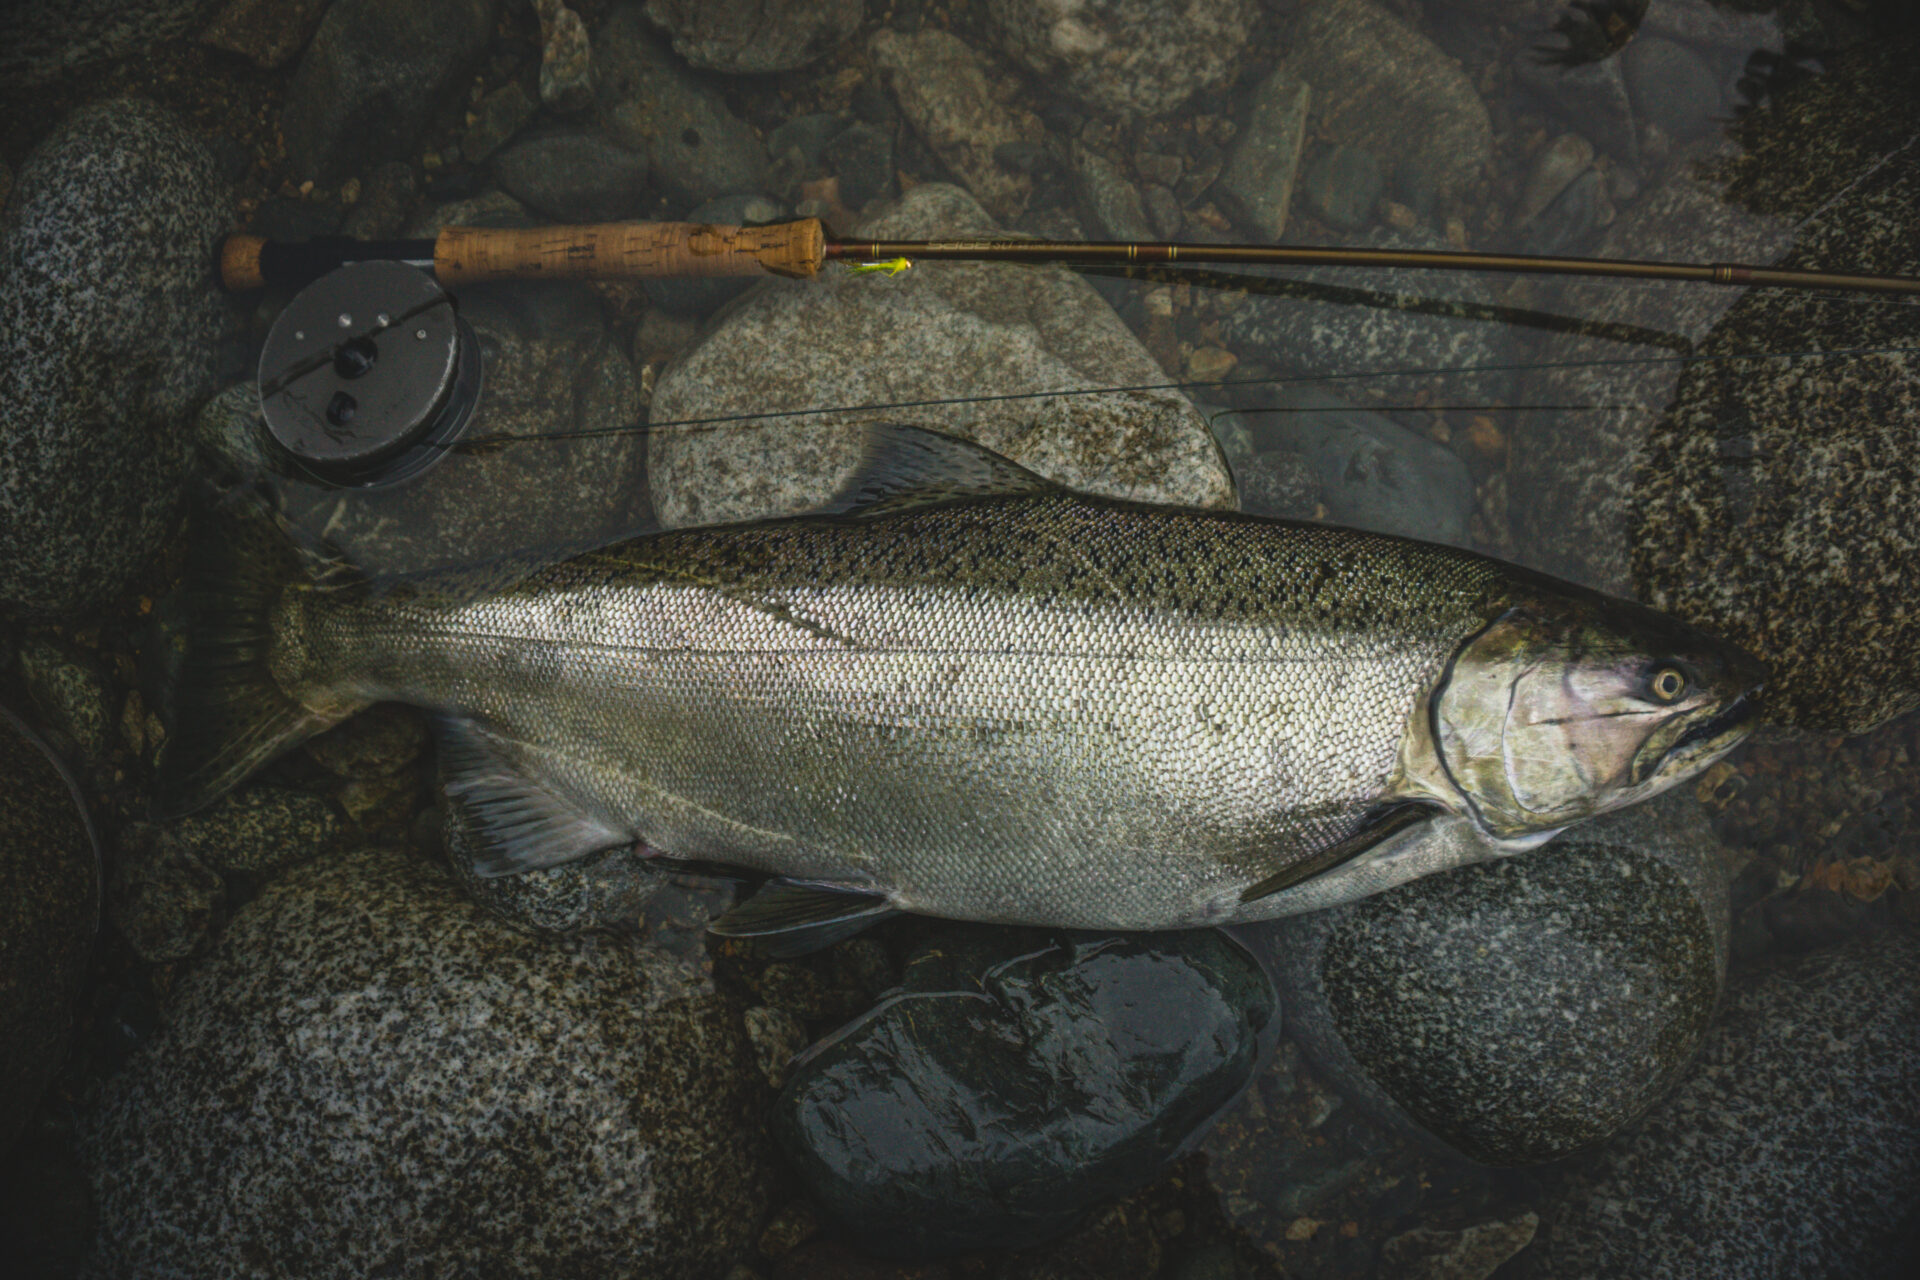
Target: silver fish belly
x,y
1052,710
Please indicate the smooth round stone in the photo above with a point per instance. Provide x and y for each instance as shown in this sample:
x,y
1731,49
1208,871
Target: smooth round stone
x,y
370,1075
109,327
578,177
1672,86
753,37
1793,1149
1521,1009
1019,1079
49,909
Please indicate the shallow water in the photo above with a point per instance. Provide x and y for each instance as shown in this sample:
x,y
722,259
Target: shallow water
x,y
1745,459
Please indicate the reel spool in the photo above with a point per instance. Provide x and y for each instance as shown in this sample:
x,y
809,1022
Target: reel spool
x,y
368,376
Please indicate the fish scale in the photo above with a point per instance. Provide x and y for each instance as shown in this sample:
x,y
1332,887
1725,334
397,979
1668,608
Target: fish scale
x,y
1066,708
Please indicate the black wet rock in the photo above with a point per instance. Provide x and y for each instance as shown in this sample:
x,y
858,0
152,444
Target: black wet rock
x,y
270,32
650,103
372,78
1770,501
42,40
575,177
368,1074
861,156
49,911
386,198
700,298
496,118
1125,57
1525,1008
1018,1079
109,325
1371,472
1340,320
1792,1150
752,37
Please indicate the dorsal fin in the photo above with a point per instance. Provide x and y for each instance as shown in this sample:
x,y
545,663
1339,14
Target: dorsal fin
x,y
902,466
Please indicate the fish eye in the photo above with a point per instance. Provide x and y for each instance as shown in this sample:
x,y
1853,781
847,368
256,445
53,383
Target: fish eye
x,y
1668,684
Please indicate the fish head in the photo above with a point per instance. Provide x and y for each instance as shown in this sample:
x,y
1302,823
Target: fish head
x,y
1570,705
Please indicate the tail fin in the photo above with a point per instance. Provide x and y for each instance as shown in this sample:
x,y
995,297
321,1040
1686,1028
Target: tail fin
x,y
227,715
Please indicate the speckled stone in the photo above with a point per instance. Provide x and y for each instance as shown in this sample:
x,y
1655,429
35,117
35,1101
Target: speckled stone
x,y
369,1074
1260,172
41,40
1793,1150
649,103
71,694
940,330
1382,86
944,93
1020,1078
1125,57
1769,501
1521,1009
109,325
372,77
1112,203
49,910
259,830
161,898
752,37
1343,320
379,741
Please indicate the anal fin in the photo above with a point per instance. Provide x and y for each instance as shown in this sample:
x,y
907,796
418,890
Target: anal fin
x,y
1377,826
787,918
511,822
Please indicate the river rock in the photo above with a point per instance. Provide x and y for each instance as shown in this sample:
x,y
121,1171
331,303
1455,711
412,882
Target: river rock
x,y
1125,57
1344,184
752,37
1554,169
1112,203
575,177
1280,483
497,117
1433,328
369,1072
270,32
649,103
1017,1080
1767,500
372,78
259,830
1259,176
109,327
1371,472
1671,85
1383,87
1590,96
943,92
1792,1150
1576,214
162,899
74,701
940,331
566,58
42,40
49,912
1524,1008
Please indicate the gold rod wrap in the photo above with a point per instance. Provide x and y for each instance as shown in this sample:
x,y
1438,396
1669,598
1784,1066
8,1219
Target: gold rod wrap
x,y
628,250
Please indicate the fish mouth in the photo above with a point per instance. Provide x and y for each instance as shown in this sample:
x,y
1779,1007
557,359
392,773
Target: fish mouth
x,y
1714,735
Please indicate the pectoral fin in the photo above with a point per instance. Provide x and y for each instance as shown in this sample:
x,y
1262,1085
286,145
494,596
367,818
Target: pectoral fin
x,y
512,822
788,918
1377,826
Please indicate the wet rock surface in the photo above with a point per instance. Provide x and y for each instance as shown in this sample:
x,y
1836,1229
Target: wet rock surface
x,y
1259,177
41,40
1763,499
108,328
49,913
1524,1008
355,1078
1809,1082
576,177
1018,1079
650,104
940,331
373,75
1127,57
752,37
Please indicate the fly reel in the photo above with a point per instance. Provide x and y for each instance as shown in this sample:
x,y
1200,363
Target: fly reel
x,y
368,376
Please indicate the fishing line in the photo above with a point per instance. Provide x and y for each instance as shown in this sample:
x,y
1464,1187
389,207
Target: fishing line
x,y
692,426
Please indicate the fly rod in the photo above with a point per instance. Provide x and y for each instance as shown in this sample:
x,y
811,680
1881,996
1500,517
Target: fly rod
x,y
799,249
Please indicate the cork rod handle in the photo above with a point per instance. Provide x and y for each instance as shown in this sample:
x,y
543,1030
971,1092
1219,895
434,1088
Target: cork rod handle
x,y
628,249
